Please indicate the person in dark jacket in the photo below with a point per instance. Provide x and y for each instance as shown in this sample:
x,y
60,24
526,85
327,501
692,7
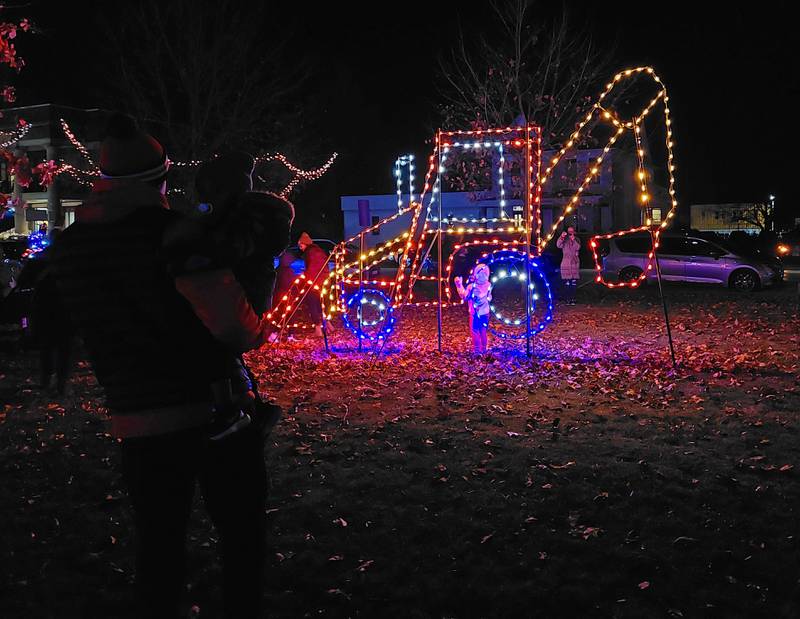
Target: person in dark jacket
x,y
50,323
155,357
316,270
285,278
285,275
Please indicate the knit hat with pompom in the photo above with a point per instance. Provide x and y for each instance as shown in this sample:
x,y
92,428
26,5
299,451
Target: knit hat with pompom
x,y
127,153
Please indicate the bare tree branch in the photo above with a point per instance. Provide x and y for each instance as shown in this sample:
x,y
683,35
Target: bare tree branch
x,y
205,74
544,72
760,215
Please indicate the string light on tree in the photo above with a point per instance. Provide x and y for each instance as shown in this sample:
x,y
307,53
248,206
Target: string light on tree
x,y
16,135
83,176
300,174
77,143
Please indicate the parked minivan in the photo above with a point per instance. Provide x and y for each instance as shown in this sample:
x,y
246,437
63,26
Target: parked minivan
x,y
686,258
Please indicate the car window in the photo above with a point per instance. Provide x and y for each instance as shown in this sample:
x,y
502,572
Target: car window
x,y
674,246
634,244
699,247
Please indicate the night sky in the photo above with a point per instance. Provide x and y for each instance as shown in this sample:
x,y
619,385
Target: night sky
x,y
732,73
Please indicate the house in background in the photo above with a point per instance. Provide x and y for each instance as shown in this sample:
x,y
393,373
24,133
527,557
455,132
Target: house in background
x,y
45,140
607,204
723,218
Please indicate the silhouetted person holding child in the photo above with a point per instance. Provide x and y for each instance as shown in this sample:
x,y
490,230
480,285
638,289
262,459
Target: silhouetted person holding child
x,y
50,323
156,358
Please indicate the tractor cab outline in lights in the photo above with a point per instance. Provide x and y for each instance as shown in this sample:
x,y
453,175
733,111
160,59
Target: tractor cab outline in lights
x,y
511,246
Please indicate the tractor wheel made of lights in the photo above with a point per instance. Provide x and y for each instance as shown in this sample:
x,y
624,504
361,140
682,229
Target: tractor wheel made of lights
x,y
508,269
369,315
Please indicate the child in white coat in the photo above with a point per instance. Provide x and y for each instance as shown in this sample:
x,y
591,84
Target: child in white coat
x,y
478,295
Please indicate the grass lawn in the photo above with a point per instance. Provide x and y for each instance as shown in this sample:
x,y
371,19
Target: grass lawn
x,y
592,481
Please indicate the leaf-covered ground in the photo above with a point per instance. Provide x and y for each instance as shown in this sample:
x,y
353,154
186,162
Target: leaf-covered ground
x,y
592,480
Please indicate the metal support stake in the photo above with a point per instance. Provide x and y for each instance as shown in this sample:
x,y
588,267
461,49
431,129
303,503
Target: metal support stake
x,y
663,302
528,220
439,240
360,288
325,336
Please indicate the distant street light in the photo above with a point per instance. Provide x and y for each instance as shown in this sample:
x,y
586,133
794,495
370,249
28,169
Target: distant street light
x,y
772,212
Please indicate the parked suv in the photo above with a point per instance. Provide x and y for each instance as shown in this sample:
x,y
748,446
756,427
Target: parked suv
x,y
686,258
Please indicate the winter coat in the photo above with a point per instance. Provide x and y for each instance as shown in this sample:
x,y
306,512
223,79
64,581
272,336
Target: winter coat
x,y
570,263
285,276
267,221
150,337
49,317
316,261
253,229
477,301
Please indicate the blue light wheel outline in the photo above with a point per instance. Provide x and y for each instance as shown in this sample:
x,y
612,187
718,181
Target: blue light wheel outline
x,y
387,315
518,257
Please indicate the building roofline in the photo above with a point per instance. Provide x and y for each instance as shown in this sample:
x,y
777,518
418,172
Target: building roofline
x,y
719,204
57,105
